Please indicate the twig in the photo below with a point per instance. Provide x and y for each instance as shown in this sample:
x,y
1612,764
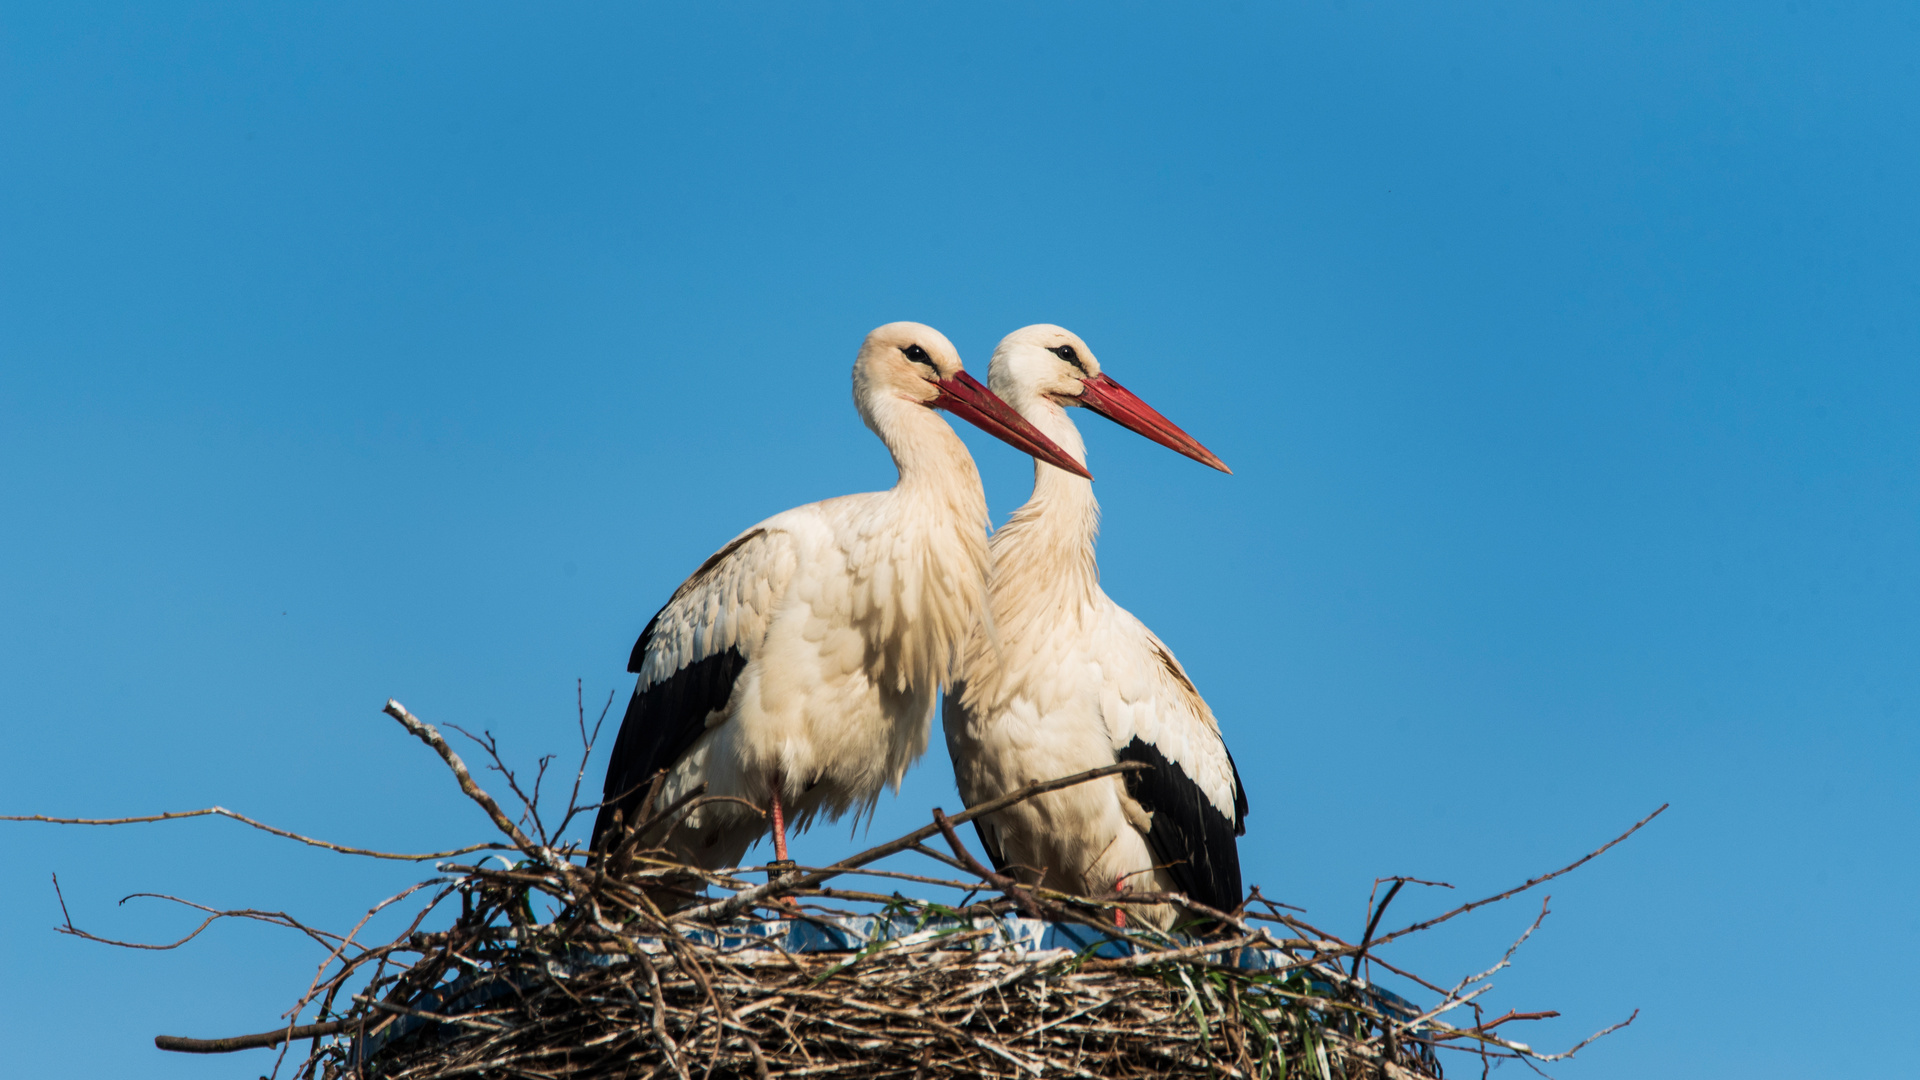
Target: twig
x,y
221,811
1523,887
1582,1044
530,803
658,1017
345,942
586,751
1031,904
1513,1014
275,918
58,895
426,734
228,1045
1373,923
1511,949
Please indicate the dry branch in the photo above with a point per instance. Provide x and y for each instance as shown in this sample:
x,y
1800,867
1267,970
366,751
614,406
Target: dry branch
x,y
221,811
1525,885
249,1042
426,734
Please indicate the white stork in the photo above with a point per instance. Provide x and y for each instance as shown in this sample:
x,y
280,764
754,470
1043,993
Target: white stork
x,y
1077,683
799,666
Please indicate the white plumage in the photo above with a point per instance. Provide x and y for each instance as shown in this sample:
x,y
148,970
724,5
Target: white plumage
x,y
1076,682
798,668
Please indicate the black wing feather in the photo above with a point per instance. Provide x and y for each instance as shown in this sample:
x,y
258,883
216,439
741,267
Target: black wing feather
x,y
1239,796
664,719
993,850
1190,836
662,723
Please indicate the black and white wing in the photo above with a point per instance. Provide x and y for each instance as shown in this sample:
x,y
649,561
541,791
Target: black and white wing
x,y
688,659
1191,790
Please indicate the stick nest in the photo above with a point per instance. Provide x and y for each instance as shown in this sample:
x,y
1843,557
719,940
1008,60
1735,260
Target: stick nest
x,y
945,998
649,969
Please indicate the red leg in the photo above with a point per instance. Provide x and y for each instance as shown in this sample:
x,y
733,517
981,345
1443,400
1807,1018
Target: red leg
x,y
1120,913
779,818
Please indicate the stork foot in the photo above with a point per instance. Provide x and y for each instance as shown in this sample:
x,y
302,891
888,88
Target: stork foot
x,y
786,905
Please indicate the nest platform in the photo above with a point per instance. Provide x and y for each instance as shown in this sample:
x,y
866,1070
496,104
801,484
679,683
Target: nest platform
x,y
921,995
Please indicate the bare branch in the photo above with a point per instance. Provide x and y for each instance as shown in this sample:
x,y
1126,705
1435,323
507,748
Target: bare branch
x,y
232,1043
1583,1043
221,811
275,918
425,733
587,742
1524,886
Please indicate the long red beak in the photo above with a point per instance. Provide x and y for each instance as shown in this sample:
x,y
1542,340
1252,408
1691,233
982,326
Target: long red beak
x,y
1117,403
965,397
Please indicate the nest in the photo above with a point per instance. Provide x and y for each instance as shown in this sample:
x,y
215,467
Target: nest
x,y
647,968
932,993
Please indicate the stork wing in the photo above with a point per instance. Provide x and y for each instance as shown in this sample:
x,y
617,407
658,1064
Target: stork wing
x,y
951,707
688,659
1192,788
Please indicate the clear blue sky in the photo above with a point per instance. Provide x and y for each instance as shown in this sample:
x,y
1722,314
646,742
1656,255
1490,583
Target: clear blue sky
x,y
1566,357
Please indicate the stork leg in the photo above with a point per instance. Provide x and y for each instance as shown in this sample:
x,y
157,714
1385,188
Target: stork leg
x,y
1120,913
779,818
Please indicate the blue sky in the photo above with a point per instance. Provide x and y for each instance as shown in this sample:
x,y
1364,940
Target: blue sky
x,y
1565,357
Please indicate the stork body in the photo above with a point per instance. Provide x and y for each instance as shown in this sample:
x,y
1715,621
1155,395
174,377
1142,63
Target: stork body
x,y
797,669
1076,682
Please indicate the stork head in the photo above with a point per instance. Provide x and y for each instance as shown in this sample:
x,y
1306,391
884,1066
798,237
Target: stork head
x,y
1042,364
915,362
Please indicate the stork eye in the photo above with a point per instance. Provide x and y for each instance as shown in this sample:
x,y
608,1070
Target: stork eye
x,y
1065,352
919,356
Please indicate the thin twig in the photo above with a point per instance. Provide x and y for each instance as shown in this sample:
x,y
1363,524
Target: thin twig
x,y
221,811
1583,1043
1524,886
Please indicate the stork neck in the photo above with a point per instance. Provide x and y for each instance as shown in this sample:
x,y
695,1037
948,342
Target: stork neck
x,y
1044,565
933,462
930,531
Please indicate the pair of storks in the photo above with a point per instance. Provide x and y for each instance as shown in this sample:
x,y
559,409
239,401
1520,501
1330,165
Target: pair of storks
x,y
798,669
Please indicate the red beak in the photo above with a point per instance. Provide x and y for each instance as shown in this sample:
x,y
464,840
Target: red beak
x,y
1117,403
965,397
